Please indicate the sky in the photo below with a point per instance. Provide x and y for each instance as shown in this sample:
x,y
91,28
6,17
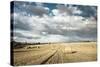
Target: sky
x,y
52,22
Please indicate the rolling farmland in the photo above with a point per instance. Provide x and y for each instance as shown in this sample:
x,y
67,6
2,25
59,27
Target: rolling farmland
x,y
55,53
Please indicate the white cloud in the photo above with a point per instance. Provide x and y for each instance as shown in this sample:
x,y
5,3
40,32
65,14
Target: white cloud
x,y
62,27
66,10
56,24
55,11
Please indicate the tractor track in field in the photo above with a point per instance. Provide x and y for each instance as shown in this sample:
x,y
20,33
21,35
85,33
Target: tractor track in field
x,y
54,58
48,58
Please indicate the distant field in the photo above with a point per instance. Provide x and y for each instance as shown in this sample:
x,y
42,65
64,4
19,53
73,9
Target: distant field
x,y
56,53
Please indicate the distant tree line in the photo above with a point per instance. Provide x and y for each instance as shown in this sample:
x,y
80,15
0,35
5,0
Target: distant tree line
x,y
23,44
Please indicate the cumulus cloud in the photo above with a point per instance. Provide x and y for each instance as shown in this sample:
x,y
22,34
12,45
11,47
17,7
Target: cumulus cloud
x,y
22,22
66,10
30,8
39,10
62,26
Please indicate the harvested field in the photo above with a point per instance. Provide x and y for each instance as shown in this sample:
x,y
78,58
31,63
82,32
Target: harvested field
x,y
55,53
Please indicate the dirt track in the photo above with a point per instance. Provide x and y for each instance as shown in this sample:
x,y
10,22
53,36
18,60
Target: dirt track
x,y
56,53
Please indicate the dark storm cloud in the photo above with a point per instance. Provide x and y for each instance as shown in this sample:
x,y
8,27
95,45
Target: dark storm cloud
x,y
21,22
88,11
20,35
30,8
22,26
38,10
85,32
